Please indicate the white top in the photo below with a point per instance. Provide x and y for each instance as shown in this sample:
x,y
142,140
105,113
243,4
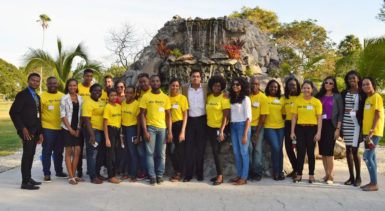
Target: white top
x,y
66,109
240,112
196,102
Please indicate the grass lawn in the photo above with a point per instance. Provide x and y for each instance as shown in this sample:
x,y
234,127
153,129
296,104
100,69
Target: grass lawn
x,y
382,141
9,140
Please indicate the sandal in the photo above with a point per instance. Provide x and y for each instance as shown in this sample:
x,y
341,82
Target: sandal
x,y
235,179
79,179
72,181
297,179
176,178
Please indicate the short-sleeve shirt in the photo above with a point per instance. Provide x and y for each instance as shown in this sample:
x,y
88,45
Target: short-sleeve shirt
x,y
274,119
50,110
259,106
214,109
104,96
372,104
95,110
179,104
289,103
84,92
156,105
307,110
130,113
113,114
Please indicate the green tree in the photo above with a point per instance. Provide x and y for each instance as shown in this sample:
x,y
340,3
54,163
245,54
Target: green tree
x,y
114,71
43,19
372,60
381,14
62,66
266,20
348,52
12,79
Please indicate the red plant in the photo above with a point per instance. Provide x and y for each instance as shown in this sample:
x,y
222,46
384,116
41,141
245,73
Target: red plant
x,y
163,51
234,49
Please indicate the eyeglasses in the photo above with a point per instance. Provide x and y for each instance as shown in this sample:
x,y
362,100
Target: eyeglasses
x,y
328,83
236,84
120,87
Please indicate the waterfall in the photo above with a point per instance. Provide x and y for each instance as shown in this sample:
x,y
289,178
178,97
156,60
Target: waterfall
x,y
215,33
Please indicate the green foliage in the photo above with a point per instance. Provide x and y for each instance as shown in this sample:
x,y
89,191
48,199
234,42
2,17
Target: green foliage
x,y
381,14
266,20
12,79
114,71
348,45
62,66
44,17
176,52
372,60
340,83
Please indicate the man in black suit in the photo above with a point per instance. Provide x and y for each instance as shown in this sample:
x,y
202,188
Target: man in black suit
x,y
26,116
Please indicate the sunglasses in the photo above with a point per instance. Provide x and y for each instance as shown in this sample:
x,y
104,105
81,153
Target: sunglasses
x,y
236,84
328,83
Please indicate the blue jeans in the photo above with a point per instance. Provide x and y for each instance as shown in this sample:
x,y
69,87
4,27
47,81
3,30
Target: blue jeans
x,y
275,138
52,142
256,153
241,152
371,161
130,154
141,149
92,152
156,151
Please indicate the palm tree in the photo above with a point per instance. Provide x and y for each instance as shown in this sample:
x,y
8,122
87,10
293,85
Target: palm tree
x,y
44,19
372,59
62,66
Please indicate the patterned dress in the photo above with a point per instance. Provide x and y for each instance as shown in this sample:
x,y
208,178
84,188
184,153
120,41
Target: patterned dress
x,y
350,126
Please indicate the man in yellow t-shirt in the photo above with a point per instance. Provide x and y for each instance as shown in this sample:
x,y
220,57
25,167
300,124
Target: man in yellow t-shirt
x,y
156,117
259,110
108,84
50,119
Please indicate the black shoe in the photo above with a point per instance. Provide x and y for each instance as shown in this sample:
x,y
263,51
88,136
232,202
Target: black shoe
x,y
200,178
33,182
152,181
187,179
61,174
47,178
350,181
292,174
275,177
159,180
281,177
217,183
213,179
357,182
80,174
29,186
257,178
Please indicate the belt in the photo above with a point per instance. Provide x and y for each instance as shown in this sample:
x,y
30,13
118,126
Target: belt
x,y
307,125
197,117
348,111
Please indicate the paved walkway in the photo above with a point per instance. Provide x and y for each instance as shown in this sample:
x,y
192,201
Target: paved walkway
x,y
264,195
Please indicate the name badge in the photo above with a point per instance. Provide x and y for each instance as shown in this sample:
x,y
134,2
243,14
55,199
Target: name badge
x,y
324,116
256,104
276,101
161,109
175,106
367,107
51,107
352,113
309,107
38,115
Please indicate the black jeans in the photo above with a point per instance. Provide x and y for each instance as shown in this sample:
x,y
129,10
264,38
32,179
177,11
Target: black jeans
x,y
176,149
29,148
113,160
289,146
216,147
305,143
195,145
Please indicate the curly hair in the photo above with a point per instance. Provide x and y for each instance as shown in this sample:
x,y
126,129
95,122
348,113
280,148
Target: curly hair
x,y
322,91
372,81
68,83
94,86
244,90
217,79
287,91
267,92
346,79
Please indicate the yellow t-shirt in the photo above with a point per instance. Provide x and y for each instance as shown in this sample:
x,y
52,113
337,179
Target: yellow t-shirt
x,y
307,110
156,105
259,106
113,114
104,96
372,104
130,113
84,92
214,109
179,104
276,108
50,110
142,93
95,110
289,103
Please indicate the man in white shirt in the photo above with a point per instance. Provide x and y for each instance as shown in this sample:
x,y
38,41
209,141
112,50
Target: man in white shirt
x,y
196,93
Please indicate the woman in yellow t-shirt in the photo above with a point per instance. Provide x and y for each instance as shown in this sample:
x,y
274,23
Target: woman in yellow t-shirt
x,y
292,91
306,127
131,132
112,118
218,110
92,114
373,129
179,109
275,126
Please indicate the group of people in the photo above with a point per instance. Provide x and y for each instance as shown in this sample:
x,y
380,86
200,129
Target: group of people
x,y
129,129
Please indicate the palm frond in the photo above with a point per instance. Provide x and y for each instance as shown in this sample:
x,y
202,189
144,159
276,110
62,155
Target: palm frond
x,y
37,57
372,59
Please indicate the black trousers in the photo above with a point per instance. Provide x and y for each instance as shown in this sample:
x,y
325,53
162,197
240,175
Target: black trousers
x,y
29,148
80,162
112,159
216,148
305,143
195,145
289,146
176,149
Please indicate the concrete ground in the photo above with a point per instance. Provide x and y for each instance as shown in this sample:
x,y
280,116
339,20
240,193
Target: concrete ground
x,y
264,195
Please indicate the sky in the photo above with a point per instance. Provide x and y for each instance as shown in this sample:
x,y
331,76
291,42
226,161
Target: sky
x,y
90,21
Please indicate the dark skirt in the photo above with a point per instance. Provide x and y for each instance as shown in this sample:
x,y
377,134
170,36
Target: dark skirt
x,y
68,139
327,142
